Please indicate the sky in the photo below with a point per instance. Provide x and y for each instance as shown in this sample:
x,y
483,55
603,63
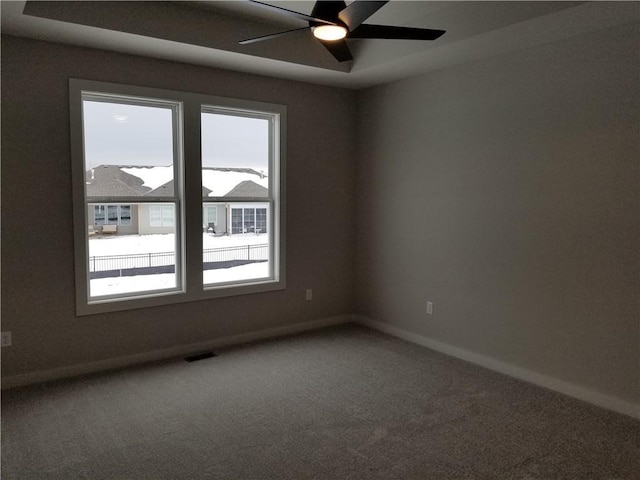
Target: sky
x,y
120,134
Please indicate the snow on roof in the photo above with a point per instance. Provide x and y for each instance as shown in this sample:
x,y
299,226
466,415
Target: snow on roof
x,y
110,180
219,181
152,177
247,188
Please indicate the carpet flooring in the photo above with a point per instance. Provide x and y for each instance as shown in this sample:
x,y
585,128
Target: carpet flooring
x,y
339,403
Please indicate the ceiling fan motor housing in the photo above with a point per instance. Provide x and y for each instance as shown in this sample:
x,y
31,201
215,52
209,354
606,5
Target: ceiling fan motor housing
x,y
333,21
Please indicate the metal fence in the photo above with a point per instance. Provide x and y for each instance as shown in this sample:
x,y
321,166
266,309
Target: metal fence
x,y
243,252
247,253
138,260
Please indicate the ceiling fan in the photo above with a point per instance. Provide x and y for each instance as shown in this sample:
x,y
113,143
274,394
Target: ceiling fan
x,y
333,21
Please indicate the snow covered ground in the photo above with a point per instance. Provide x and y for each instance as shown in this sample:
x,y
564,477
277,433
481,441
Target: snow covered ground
x,y
144,283
133,244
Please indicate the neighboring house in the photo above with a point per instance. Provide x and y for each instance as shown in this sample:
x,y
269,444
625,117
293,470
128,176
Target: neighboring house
x,y
142,218
111,181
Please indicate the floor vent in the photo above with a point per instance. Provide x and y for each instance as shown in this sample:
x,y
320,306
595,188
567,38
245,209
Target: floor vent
x,y
200,356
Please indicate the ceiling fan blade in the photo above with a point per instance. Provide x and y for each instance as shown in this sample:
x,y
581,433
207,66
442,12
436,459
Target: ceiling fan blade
x,y
358,12
270,36
339,50
291,13
328,10
397,33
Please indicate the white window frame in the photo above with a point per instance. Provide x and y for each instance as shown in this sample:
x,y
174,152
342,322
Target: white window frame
x,y
273,120
188,184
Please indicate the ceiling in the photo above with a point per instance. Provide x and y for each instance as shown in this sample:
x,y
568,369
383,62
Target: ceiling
x,y
207,33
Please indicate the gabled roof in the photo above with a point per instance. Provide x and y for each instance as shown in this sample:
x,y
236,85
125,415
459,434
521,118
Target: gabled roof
x,y
248,188
111,181
166,190
223,181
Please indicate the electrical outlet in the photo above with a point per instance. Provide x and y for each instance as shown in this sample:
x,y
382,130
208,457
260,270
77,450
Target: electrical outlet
x,y
309,294
6,339
430,308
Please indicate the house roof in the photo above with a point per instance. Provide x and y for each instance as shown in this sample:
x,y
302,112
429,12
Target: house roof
x,y
166,190
138,181
111,181
248,188
223,181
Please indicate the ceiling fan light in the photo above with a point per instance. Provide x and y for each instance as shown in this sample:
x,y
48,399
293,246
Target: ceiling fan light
x,y
329,32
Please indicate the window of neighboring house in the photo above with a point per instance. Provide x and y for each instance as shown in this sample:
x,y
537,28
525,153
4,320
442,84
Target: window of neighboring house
x,y
236,220
125,215
210,218
261,220
161,216
249,220
211,215
112,215
128,150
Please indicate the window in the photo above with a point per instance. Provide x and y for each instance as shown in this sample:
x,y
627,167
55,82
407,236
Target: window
x,y
138,166
249,220
261,220
111,215
161,216
125,215
130,151
210,215
237,158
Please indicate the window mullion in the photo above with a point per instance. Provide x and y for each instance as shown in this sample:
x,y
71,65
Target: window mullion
x,y
192,198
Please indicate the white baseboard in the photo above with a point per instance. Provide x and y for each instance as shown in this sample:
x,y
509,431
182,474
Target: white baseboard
x,y
570,389
173,352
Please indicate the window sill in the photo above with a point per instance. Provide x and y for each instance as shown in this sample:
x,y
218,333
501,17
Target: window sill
x,y
157,299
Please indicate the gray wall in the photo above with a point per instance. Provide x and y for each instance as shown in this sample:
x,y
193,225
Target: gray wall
x,y
37,250
506,192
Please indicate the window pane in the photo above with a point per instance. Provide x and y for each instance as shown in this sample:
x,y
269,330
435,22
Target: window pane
x,y
241,252
125,215
129,152
155,216
98,215
235,165
210,218
249,220
128,149
235,156
211,215
112,214
261,220
236,220
136,257
167,216
161,215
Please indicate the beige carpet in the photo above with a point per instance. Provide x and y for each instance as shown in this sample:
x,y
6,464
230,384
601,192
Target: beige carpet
x,y
340,403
